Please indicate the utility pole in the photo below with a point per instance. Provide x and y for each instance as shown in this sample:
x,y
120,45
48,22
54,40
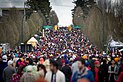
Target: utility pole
x,y
103,30
24,18
103,42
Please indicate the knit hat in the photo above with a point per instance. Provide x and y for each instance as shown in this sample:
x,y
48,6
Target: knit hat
x,y
4,57
84,57
116,59
10,62
96,62
29,68
63,61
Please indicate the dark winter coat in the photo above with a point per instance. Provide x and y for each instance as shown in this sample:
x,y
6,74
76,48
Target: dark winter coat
x,y
3,65
67,71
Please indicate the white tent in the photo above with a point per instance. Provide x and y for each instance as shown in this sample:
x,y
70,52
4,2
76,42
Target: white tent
x,y
120,50
115,44
32,41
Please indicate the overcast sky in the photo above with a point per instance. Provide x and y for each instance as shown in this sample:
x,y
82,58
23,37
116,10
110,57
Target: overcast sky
x,y
63,9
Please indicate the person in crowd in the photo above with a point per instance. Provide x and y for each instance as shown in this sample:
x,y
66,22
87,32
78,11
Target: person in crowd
x,y
120,77
35,72
67,70
28,76
8,72
112,71
62,45
97,71
47,64
21,61
75,66
15,58
41,61
121,68
29,61
3,65
54,75
83,72
16,77
42,70
104,71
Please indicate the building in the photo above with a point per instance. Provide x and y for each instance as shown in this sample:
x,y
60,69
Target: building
x,y
8,4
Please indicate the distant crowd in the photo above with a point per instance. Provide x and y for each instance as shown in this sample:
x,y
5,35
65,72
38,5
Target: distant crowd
x,y
63,55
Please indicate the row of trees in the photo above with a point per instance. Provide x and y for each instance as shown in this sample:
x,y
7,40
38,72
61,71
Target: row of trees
x,y
103,18
84,4
44,6
111,6
108,6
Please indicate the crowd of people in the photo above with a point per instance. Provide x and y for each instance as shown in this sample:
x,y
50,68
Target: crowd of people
x,y
62,55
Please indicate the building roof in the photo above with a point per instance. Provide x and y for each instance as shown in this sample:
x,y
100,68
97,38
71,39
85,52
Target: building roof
x,y
12,3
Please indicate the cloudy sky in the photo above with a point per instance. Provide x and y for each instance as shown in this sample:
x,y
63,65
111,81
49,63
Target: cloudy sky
x,y
63,9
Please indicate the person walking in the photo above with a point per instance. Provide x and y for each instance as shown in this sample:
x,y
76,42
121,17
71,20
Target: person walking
x,y
112,70
55,75
97,71
83,72
16,77
8,71
41,70
74,66
104,72
120,77
21,61
3,65
28,76
121,68
67,71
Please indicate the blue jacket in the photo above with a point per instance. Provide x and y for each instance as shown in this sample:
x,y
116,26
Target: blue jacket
x,y
88,76
3,65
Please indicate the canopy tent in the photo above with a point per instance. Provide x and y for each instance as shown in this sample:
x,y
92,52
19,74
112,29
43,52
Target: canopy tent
x,y
47,27
32,41
115,44
37,37
76,26
120,50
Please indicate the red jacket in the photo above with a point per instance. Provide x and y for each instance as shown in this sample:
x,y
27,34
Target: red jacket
x,y
120,77
96,74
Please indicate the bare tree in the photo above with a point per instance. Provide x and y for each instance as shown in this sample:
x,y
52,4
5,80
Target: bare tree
x,y
53,17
